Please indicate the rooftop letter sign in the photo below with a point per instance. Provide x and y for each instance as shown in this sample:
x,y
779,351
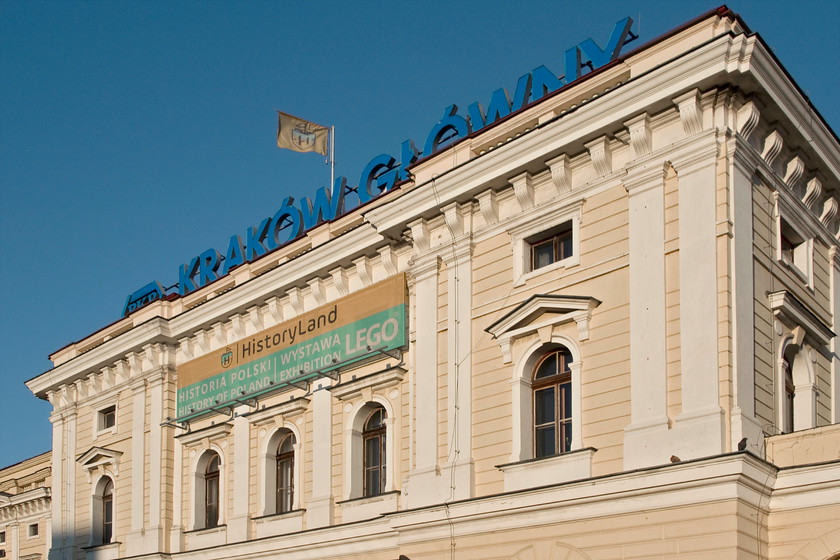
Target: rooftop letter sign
x,y
384,171
304,348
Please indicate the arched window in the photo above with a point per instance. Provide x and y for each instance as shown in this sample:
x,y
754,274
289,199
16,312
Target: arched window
x,y
285,468
108,512
102,510
552,390
787,374
373,445
211,492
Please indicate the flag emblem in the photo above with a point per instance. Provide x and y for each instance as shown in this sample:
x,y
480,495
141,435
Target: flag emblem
x,y
301,135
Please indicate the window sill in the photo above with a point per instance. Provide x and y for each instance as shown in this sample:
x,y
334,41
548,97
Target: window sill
x,y
279,523
568,262
204,538
369,507
108,551
544,471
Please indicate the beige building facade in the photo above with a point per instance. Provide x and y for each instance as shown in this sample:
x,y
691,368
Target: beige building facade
x,y
25,509
601,327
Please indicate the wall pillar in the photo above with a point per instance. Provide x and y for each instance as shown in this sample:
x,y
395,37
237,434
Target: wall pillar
x,y
743,422
422,487
320,508
135,543
648,363
834,256
238,523
701,423
458,261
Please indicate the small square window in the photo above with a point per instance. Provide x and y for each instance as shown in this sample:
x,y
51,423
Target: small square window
x,y
107,418
33,530
794,250
551,247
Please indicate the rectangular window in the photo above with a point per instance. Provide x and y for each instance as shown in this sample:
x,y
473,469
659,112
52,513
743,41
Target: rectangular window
x,y
551,246
794,250
107,417
2,537
33,530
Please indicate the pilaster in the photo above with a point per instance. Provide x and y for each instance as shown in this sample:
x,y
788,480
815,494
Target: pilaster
x,y
701,423
645,184
238,523
834,257
134,540
320,508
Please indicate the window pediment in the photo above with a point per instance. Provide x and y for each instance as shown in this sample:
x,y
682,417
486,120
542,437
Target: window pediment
x,y
791,311
542,311
96,459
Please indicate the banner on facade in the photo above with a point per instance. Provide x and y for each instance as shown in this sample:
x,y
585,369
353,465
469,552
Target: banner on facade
x,y
303,348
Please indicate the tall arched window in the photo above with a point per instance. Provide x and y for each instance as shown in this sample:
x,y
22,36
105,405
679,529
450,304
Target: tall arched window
x,y
108,512
373,438
552,388
285,463
102,512
787,374
211,492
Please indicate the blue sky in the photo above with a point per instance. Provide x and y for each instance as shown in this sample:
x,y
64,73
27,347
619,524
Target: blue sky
x,y
134,135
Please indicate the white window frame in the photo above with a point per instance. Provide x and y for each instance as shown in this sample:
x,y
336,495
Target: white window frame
x,y
354,459
269,469
96,510
802,265
99,416
535,223
199,468
29,534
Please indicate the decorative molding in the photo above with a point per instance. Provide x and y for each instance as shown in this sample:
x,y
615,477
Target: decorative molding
x,y
270,415
601,155
773,143
526,318
388,257
793,173
349,390
255,318
813,192
641,136
561,173
454,216
420,236
316,288
96,459
489,206
296,299
363,270
211,433
747,118
829,211
523,189
789,309
691,112
275,308
339,277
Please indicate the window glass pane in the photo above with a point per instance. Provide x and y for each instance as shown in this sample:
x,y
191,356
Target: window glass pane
x,y
372,482
547,367
545,441
565,436
543,253
566,400
372,452
544,406
287,446
565,245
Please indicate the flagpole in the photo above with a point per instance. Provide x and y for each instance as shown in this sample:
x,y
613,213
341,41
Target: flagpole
x,y
332,159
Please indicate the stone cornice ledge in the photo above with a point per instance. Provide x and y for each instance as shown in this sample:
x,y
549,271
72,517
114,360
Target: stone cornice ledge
x,y
152,331
701,65
388,377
